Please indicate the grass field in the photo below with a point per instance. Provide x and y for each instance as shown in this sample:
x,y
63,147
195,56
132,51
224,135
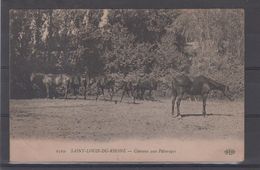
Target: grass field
x,y
107,121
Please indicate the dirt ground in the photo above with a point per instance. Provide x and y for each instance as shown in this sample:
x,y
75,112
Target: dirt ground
x,y
106,121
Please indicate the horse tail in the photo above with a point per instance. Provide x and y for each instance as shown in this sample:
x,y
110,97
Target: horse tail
x,y
214,83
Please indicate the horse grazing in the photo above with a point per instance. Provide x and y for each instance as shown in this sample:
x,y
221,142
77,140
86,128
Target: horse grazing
x,y
51,82
199,85
103,83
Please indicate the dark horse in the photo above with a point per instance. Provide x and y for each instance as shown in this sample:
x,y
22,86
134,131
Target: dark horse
x,y
130,88
51,82
147,84
136,88
199,85
105,83
75,84
85,84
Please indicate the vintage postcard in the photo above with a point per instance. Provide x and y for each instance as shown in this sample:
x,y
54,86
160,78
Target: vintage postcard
x,y
126,85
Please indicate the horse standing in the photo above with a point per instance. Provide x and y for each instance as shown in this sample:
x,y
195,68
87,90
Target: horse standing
x,y
148,84
130,88
199,85
38,88
105,83
75,84
51,82
86,84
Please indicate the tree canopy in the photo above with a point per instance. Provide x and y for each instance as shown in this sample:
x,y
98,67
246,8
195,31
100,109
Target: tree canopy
x,y
158,42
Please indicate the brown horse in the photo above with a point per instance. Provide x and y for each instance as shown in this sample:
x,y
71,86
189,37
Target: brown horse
x,y
146,84
129,87
75,83
85,85
51,82
199,85
105,83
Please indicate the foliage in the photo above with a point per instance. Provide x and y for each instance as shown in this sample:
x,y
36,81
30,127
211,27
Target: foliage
x,y
127,43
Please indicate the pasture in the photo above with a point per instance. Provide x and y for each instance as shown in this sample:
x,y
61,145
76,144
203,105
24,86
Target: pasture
x,y
107,121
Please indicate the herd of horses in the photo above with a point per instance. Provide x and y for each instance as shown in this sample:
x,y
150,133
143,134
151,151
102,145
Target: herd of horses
x,y
136,88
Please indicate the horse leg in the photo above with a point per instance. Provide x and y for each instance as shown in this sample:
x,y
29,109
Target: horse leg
x,y
66,91
133,96
179,98
174,95
138,94
103,93
67,87
55,93
97,93
150,94
111,93
76,92
85,92
204,99
72,92
142,94
173,103
47,91
134,99
122,96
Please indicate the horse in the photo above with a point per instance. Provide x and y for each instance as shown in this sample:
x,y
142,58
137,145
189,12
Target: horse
x,y
130,87
38,88
199,85
146,84
75,84
86,83
137,86
103,83
51,82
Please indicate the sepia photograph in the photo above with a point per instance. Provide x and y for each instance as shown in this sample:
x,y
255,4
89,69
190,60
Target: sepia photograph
x,y
126,85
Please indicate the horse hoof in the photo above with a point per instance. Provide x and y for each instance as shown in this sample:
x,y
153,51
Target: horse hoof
x,y
176,116
179,116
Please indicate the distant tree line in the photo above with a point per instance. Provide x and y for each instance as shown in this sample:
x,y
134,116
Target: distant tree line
x,y
123,42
